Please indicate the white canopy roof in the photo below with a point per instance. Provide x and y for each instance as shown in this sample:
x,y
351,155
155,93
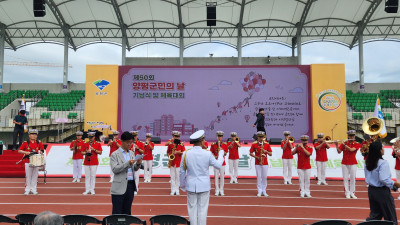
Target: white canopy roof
x,y
137,22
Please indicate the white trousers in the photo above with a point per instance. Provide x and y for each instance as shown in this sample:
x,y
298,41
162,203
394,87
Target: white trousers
x,y
148,169
197,207
287,169
77,168
90,177
136,176
262,172
233,168
219,173
321,171
304,181
349,171
31,174
175,183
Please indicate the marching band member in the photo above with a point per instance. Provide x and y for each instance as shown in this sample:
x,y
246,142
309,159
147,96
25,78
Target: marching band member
x,y
365,145
287,158
148,158
349,163
259,150
137,148
90,151
32,146
174,152
205,145
322,158
233,159
303,152
215,148
396,155
114,145
76,147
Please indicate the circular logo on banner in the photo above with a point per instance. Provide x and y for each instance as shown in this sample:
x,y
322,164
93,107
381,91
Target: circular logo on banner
x,y
329,100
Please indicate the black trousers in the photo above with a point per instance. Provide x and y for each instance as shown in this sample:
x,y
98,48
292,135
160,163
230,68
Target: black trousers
x,y
381,204
260,129
20,133
122,203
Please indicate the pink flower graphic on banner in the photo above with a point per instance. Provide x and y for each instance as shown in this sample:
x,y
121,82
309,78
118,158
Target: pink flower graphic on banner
x,y
253,83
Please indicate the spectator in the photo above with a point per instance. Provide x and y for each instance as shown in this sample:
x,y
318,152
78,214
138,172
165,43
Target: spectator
x,y
48,218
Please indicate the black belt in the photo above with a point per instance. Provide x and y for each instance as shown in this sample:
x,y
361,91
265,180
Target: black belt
x,y
131,181
370,186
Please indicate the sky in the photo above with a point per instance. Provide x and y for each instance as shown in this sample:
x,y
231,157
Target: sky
x,y
381,58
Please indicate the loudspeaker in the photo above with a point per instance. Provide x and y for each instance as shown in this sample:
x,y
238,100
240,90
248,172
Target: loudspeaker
x,y
211,15
391,6
39,9
275,141
156,140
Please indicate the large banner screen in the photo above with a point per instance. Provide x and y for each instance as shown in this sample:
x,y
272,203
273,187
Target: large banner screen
x,y
159,100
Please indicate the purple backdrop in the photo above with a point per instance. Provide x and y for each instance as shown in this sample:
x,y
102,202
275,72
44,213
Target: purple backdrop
x,y
161,99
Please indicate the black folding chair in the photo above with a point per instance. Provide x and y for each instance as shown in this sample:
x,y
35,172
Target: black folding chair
x,y
25,218
122,220
6,219
80,219
331,222
168,220
376,222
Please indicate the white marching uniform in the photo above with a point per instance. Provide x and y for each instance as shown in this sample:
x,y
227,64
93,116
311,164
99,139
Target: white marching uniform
x,y
196,180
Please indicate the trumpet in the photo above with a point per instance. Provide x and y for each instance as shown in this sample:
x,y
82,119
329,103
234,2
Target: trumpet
x,y
291,140
339,141
328,138
237,140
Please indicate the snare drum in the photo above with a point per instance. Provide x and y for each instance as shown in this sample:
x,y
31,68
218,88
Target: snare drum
x,y
36,160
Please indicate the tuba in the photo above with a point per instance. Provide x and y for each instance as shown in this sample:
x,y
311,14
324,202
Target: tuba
x,y
372,126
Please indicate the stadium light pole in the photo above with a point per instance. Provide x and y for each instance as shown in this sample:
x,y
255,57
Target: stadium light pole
x,y
2,46
65,76
361,60
123,62
298,38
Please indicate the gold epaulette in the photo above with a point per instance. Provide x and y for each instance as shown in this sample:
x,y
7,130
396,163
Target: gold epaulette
x,y
266,142
224,143
255,142
214,143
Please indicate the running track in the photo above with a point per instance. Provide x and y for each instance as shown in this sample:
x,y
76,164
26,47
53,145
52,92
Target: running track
x,y
240,205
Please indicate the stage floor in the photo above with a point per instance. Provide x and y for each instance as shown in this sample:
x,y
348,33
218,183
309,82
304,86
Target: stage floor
x,y
240,205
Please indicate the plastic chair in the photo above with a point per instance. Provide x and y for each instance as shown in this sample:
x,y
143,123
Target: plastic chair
x,y
331,222
376,222
80,219
118,219
25,218
168,220
6,219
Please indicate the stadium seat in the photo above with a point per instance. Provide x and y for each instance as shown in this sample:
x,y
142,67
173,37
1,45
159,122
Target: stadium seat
x,y
331,222
25,218
6,219
122,220
376,222
80,220
168,219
